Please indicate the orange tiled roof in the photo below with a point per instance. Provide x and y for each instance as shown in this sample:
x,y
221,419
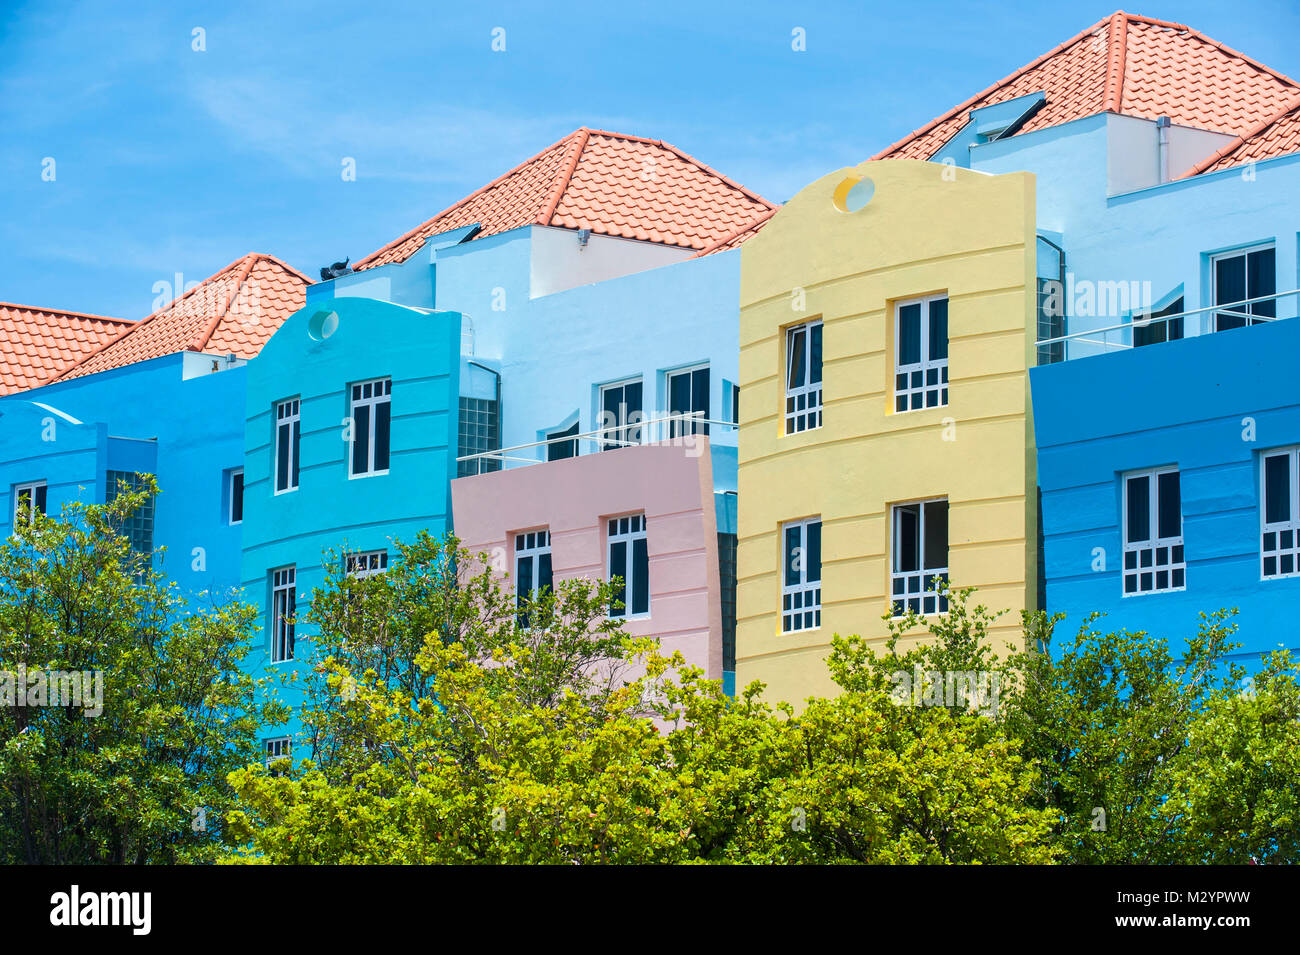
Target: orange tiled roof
x,y
1279,135
610,183
735,239
36,344
233,312
1133,65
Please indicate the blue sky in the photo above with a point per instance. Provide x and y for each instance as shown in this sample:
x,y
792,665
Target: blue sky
x,y
175,161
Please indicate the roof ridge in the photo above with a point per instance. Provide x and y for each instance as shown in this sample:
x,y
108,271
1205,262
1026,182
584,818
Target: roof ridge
x,y
67,312
1245,137
361,263
687,157
245,270
581,138
961,107
136,326
1116,55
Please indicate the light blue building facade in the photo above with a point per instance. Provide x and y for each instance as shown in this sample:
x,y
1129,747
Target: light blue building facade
x,y
1165,414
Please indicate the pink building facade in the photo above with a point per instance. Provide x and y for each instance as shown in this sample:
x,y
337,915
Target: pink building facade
x,y
588,508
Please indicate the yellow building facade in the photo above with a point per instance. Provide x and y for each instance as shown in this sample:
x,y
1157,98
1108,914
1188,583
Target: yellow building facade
x,y
886,331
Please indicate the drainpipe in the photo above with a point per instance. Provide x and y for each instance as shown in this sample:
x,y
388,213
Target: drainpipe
x,y
1162,149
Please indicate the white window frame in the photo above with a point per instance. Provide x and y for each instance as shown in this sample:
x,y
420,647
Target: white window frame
x,y
288,413
621,434
1174,552
681,428
1248,314
637,530
30,487
366,563
917,586
541,545
1283,531
919,373
371,401
801,602
230,506
803,402
284,581
277,747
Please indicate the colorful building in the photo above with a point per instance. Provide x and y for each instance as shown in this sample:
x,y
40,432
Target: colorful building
x,y
887,327
161,396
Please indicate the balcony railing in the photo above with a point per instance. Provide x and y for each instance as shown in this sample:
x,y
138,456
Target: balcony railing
x,y
652,429
1159,328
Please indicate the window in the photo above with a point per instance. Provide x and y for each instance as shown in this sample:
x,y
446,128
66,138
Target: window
x,y
1156,327
28,500
366,563
688,393
480,431
286,445
735,405
1280,517
801,580
562,449
370,413
1242,275
803,377
620,414
235,496
629,560
278,748
138,526
919,557
284,595
532,568
921,343
1153,532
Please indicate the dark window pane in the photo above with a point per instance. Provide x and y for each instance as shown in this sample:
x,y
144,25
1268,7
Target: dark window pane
x,y
1170,504
813,555
282,457
544,580
383,415
1159,331
679,393
632,396
523,580
618,568
1277,488
700,397
793,545
237,497
1261,279
41,491
1229,286
795,357
939,329
1138,490
906,538
562,449
815,355
640,576
294,454
361,439
936,535
909,334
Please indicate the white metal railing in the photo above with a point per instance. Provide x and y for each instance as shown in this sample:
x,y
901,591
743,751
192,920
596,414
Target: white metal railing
x,y
1120,335
651,429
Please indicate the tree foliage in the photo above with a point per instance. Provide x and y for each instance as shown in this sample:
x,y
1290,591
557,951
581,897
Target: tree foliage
x,y
178,714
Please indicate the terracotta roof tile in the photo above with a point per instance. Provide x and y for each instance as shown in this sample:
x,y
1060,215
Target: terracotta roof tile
x,y
233,312
735,239
1132,65
1278,135
36,344
610,183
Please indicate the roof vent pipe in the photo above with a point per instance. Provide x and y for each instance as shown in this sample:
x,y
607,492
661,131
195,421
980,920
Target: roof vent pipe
x,y
1162,149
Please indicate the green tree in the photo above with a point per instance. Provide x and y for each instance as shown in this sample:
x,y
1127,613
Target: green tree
x,y
472,737
178,715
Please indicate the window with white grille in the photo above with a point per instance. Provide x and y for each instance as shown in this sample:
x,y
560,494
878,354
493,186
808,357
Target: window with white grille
x,y
803,377
1279,497
1153,532
284,595
921,337
801,576
919,557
